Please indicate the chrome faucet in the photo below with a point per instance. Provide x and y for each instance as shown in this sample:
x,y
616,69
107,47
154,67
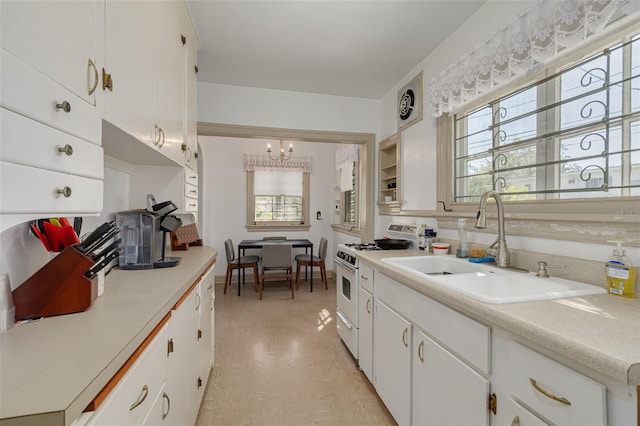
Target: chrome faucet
x,y
497,250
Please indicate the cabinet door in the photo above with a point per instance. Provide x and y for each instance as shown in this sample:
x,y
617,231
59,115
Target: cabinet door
x,y
205,331
365,333
445,390
170,69
131,59
182,375
392,362
191,110
56,38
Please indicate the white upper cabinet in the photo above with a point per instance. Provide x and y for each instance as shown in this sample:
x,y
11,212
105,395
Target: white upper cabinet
x,y
61,39
131,63
145,63
191,108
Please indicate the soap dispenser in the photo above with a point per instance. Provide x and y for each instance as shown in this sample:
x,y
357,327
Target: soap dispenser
x,y
621,276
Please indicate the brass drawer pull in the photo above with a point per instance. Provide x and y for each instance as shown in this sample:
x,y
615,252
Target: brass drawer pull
x,y
516,421
67,149
166,397
368,306
64,105
95,77
141,398
549,395
66,192
404,337
420,356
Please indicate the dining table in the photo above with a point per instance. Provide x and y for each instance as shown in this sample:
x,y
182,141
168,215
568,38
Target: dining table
x,y
258,244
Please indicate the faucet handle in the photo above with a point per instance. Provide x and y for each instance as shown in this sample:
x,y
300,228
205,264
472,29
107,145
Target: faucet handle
x,y
542,269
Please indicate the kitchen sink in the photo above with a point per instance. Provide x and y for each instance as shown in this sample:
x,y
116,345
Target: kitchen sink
x,y
436,265
490,284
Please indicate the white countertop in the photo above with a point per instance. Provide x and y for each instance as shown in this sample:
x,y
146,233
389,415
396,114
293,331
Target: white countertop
x,y
53,368
600,332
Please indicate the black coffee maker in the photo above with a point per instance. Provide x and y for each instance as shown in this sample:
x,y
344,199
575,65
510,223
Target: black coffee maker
x,y
144,235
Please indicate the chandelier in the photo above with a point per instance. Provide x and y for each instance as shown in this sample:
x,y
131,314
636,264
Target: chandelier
x,y
282,156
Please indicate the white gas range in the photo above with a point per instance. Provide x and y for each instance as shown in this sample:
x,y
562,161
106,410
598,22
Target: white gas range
x,y
348,284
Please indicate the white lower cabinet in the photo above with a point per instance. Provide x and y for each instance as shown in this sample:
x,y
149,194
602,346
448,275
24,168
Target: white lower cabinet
x,y
392,348
365,333
553,391
430,363
165,385
445,390
519,415
132,399
182,370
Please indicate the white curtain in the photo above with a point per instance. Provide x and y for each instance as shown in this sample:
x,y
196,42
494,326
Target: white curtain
x,y
346,155
259,162
534,38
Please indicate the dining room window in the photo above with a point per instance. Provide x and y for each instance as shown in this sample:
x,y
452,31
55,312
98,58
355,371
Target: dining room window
x,y
349,197
277,193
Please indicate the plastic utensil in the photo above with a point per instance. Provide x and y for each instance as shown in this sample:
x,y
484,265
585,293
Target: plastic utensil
x,y
43,238
53,235
68,236
55,221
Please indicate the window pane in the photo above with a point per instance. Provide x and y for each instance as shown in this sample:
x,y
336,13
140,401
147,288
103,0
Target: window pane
x,y
635,157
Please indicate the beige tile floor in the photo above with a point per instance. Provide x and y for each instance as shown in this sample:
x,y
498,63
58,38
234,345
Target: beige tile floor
x,y
280,362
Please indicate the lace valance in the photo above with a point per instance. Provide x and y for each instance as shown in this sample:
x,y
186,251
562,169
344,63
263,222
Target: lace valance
x,y
534,38
259,162
346,155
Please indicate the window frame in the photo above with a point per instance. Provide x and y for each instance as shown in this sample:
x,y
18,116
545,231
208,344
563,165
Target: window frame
x,y
356,182
551,218
251,224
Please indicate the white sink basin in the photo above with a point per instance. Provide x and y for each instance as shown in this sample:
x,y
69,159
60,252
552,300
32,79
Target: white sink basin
x,y
489,284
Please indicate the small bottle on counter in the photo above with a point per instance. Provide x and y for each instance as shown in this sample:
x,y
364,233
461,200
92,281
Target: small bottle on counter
x,y
621,276
463,245
429,238
421,237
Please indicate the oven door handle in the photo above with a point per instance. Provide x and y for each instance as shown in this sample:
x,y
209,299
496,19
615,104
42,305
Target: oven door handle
x,y
348,268
344,319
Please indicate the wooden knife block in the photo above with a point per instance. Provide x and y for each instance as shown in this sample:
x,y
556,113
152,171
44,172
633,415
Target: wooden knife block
x,y
58,288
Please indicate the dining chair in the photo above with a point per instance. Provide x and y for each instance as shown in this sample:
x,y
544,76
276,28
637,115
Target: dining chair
x,y
277,258
250,261
311,260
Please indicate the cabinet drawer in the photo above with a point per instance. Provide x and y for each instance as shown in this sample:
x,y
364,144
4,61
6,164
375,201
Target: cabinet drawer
x,y
585,400
25,141
25,189
190,191
190,205
29,92
366,277
131,401
520,416
191,177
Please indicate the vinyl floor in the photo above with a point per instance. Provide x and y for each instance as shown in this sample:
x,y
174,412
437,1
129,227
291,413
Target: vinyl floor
x,y
281,362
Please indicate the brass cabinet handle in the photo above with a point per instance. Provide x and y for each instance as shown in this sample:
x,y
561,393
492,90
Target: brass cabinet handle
x,y
210,286
547,394
404,337
67,149
192,205
515,421
368,306
420,346
66,192
107,81
166,397
212,304
364,277
156,131
95,77
64,105
190,154
163,138
193,191
197,301
141,398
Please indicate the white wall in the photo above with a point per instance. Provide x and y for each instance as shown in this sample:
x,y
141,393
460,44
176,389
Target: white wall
x,y
419,140
219,103
224,195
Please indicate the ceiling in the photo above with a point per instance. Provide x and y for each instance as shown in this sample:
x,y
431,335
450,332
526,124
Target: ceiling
x,y
347,48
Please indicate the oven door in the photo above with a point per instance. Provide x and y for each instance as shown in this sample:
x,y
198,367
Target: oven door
x,y
347,291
